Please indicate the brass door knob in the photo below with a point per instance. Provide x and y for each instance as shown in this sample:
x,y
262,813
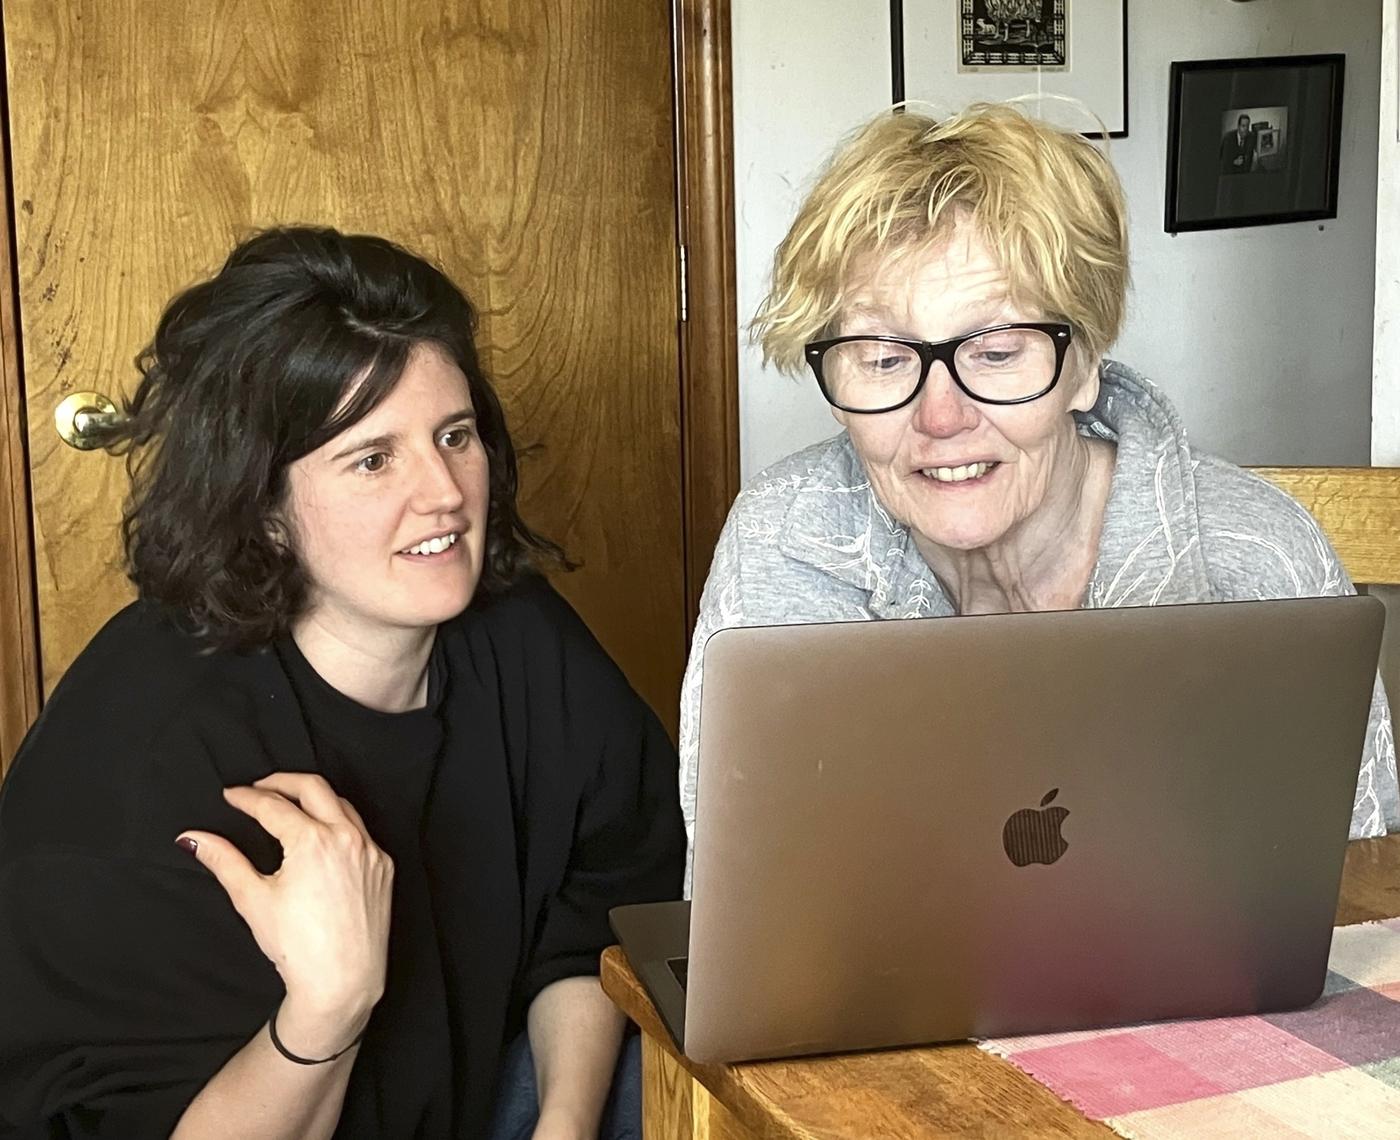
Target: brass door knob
x,y
81,418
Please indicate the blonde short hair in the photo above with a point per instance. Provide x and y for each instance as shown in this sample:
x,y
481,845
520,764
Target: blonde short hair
x,y
1046,202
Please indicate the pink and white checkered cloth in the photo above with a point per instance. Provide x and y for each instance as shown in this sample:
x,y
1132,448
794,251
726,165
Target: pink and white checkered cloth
x,y
1330,1071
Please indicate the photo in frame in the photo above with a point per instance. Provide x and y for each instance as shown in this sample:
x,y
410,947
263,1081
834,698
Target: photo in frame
x,y
1003,34
1253,142
1065,60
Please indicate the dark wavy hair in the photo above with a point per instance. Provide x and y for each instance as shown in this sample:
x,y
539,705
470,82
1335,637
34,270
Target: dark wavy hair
x,y
248,372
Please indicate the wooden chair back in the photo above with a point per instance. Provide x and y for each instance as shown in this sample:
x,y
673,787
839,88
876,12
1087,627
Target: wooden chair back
x,y
1359,511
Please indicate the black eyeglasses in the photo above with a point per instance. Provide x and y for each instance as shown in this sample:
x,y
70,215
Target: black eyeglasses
x,y
1004,364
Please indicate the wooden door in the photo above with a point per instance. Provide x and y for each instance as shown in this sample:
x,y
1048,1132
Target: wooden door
x,y
526,145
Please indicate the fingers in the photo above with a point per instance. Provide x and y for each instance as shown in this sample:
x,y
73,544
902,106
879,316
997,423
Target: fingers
x,y
354,817
279,817
238,877
285,803
309,791
322,918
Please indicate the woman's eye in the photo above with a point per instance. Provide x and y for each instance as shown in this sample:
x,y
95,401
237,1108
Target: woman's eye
x,y
371,464
880,362
456,438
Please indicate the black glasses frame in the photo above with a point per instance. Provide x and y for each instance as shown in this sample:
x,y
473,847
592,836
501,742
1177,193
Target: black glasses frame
x,y
1059,332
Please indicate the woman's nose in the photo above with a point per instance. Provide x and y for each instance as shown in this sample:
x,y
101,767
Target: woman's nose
x,y
943,409
438,489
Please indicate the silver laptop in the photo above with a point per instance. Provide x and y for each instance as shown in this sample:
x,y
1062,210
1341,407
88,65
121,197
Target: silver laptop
x,y
920,831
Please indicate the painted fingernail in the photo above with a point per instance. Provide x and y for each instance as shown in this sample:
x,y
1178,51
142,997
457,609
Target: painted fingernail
x,y
185,843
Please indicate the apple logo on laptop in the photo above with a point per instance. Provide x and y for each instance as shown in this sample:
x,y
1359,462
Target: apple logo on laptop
x,y
1032,835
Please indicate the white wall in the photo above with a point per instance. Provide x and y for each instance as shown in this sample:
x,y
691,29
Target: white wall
x,y
1262,336
1385,381
805,72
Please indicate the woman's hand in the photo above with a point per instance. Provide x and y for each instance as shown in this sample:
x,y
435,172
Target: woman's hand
x,y
322,918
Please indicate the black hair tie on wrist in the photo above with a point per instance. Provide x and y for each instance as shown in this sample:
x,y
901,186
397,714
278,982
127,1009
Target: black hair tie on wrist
x,y
277,1044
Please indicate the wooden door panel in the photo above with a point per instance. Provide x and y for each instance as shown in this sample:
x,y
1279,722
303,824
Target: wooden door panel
x,y
19,677
526,145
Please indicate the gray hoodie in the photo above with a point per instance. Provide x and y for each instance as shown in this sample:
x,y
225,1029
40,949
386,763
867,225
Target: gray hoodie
x,y
807,541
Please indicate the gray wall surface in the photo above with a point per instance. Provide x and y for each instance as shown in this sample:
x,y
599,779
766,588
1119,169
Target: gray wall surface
x,y
1385,379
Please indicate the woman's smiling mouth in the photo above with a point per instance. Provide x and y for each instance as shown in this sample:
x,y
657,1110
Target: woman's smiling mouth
x,y
432,547
963,473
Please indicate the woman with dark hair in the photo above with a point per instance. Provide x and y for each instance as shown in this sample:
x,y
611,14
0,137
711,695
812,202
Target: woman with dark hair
x,y
318,837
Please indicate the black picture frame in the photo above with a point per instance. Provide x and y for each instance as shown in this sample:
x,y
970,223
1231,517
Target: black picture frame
x,y
1280,163
1065,80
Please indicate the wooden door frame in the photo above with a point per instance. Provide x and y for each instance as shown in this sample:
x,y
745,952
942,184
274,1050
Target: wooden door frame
x,y
709,357
709,366
19,642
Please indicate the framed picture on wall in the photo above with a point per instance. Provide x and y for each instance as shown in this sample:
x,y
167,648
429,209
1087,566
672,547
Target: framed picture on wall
x,y
1254,142
1066,59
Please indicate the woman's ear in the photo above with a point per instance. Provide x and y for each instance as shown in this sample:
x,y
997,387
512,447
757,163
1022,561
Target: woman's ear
x,y
276,532
1085,393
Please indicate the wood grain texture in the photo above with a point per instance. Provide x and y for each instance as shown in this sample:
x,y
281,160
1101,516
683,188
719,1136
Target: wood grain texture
x,y
946,1090
667,1095
1358,509
1371,881
710,1120
710,335
675,1107
899,1094
19,653
525,145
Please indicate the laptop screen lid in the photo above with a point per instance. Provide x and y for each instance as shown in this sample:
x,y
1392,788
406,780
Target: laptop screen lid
x,y
922,830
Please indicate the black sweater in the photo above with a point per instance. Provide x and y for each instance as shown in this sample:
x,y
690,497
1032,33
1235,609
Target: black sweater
x,y
535,792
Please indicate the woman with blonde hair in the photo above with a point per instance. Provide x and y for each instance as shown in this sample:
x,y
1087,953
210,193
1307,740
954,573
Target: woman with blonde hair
x,y
953,287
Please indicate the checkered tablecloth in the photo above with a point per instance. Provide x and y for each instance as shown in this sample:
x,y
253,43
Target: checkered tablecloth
x,y
1330,1071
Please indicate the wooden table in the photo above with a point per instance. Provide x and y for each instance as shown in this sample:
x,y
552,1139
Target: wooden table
x,y
941,1090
